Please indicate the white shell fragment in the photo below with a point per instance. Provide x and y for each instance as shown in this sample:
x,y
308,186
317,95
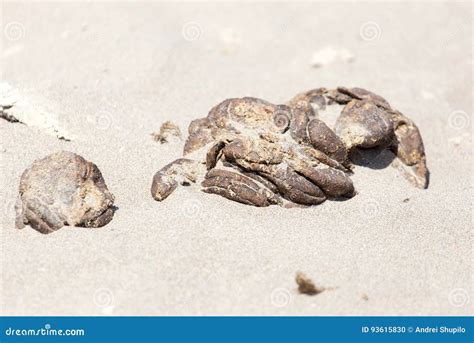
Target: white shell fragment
x,y
15,108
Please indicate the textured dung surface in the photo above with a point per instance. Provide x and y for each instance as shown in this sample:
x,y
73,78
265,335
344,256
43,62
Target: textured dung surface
x,y
249,138
259,154
199,254
63,189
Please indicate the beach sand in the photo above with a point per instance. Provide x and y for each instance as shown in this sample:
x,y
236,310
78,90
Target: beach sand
x,y
113,72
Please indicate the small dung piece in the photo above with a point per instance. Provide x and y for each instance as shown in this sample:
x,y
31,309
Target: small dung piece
x,y
63,189
168,131
306,285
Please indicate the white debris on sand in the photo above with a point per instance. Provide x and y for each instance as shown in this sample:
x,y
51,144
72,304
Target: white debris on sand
x,y
330,54
230,39
15,108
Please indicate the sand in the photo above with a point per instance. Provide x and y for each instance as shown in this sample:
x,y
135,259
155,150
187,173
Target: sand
x,y
113,72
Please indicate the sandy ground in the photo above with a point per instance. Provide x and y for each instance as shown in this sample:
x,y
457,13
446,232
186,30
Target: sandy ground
x,y
113,72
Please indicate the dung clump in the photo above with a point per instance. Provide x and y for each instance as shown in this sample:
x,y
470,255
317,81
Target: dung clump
x,y
306,285
168,132
257,153
63,189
